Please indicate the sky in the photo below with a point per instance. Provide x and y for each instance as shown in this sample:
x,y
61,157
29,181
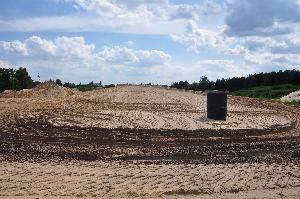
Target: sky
x,y
142,41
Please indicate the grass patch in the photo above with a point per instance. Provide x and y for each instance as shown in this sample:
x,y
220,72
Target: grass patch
x,y
269,92
292,103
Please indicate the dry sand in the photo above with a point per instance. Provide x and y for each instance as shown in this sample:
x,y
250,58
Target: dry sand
x,y
294,96
122,180
140,107
144,142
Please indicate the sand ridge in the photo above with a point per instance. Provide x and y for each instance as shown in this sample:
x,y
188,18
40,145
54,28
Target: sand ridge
x,y
294,96
140,107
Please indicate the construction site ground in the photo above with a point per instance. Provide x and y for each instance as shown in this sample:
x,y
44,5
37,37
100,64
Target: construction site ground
x,y
144,142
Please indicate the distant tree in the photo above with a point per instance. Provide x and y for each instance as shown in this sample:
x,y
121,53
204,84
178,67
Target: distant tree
x,y
19,79
181,85
109,86
221,85
23,79
5,79
58,82
205,84
69,85
35,83
11,79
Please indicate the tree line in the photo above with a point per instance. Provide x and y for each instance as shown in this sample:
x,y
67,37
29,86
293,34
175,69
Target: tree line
x,y
11,79
19,79
84,87
240,83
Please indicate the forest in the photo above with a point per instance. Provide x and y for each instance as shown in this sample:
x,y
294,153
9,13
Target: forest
x,y
12,79
242,83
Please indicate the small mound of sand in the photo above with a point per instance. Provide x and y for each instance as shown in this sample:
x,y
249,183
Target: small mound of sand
x,y
45,90
294,96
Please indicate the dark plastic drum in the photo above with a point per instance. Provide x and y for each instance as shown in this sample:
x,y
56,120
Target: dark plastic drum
x,y
217,105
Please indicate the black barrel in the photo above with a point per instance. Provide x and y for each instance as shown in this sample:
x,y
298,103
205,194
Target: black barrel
x,y
217,105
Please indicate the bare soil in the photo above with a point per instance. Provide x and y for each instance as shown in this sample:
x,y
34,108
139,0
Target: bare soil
x,y
145,142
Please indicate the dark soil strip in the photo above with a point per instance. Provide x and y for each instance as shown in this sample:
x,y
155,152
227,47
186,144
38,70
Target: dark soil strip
x,y
38,140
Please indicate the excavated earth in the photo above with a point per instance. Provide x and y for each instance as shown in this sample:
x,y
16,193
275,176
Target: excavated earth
x,y
145,142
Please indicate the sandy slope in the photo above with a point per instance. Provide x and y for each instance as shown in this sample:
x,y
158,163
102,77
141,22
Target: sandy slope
x,y
294,96
145,142
140,107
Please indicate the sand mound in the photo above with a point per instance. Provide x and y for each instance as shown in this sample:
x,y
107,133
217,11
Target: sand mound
x,y
294,96
45,90
136,107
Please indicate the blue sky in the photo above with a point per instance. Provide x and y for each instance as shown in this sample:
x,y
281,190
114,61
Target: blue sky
x,y
158,41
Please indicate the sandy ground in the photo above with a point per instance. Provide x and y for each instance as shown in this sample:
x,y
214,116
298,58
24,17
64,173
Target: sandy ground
x,y
120,180
294,96
139,107
144,142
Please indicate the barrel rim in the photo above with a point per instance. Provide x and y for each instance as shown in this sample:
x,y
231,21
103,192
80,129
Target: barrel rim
x,y
217,92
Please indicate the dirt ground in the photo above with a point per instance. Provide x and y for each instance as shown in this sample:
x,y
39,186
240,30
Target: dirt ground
x,y
144,142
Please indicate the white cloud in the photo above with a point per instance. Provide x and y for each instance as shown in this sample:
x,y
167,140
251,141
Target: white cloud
x,y
283,51
15,46
34,46
217,69
256,32
124,55
38,46
213,69
137,16
261,17
259,32
146,11
197,39
194,11
102,7
69,23
279,50
129,43
118,55
261,43
74,48
67,55
288,61
3,64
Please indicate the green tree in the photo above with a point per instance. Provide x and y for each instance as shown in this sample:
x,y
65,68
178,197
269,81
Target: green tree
x,y
23,79
58,82
205,84
5,79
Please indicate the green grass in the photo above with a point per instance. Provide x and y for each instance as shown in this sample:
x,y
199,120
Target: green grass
x,y
269,92
292,103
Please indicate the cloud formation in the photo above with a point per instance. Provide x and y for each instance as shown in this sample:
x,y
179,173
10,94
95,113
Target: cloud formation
x,y
72,53
281,50
198,39
137,16
142,58
239,34
261,17
3,64
217,69
76,49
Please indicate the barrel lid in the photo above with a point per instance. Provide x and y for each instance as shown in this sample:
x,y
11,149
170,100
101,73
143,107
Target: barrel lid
x,y
216,92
